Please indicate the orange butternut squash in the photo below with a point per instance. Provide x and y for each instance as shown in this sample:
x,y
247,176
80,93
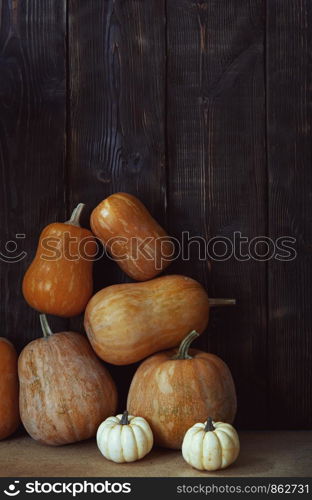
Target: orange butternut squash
x,y
126,323
133,238
59,280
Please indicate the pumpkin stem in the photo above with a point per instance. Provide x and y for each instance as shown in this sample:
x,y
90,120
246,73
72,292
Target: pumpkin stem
x,y
46,330
209,425
75,216
184,346
222,302
124,419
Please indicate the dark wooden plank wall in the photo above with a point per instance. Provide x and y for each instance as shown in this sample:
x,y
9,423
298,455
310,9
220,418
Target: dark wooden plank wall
x,y
217,171
117,114
32,144
289,94
202,109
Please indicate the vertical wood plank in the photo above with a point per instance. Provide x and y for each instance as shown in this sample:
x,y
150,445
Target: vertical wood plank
x,y
217,172
32,145
117,113
289,26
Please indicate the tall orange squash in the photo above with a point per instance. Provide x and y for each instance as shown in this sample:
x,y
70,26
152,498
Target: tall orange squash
x,y
139,245
59,280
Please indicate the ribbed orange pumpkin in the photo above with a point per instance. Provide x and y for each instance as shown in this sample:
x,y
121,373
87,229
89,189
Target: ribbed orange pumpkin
x,y
65,391
136,241
174,390
59,280
9,414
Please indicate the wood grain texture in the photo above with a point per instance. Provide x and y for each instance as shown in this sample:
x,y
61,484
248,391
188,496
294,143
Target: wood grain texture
x,y
217,172
202,109
289,91
263,454
32,144
117,113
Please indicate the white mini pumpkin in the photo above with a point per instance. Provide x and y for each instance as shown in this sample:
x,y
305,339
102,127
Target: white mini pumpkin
x,y
210,446
124,438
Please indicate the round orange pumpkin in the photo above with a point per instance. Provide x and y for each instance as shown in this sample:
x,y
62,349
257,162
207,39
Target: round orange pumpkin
x,y
174,389
59,280
65,391
135,240
9,413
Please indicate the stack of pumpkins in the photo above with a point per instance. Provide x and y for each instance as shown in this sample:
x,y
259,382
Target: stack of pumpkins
x,y
65,392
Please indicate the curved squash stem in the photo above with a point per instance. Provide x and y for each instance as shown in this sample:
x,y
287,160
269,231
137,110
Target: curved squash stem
x,y
209,425
184,346
46,330
75,216
124,419
222,302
